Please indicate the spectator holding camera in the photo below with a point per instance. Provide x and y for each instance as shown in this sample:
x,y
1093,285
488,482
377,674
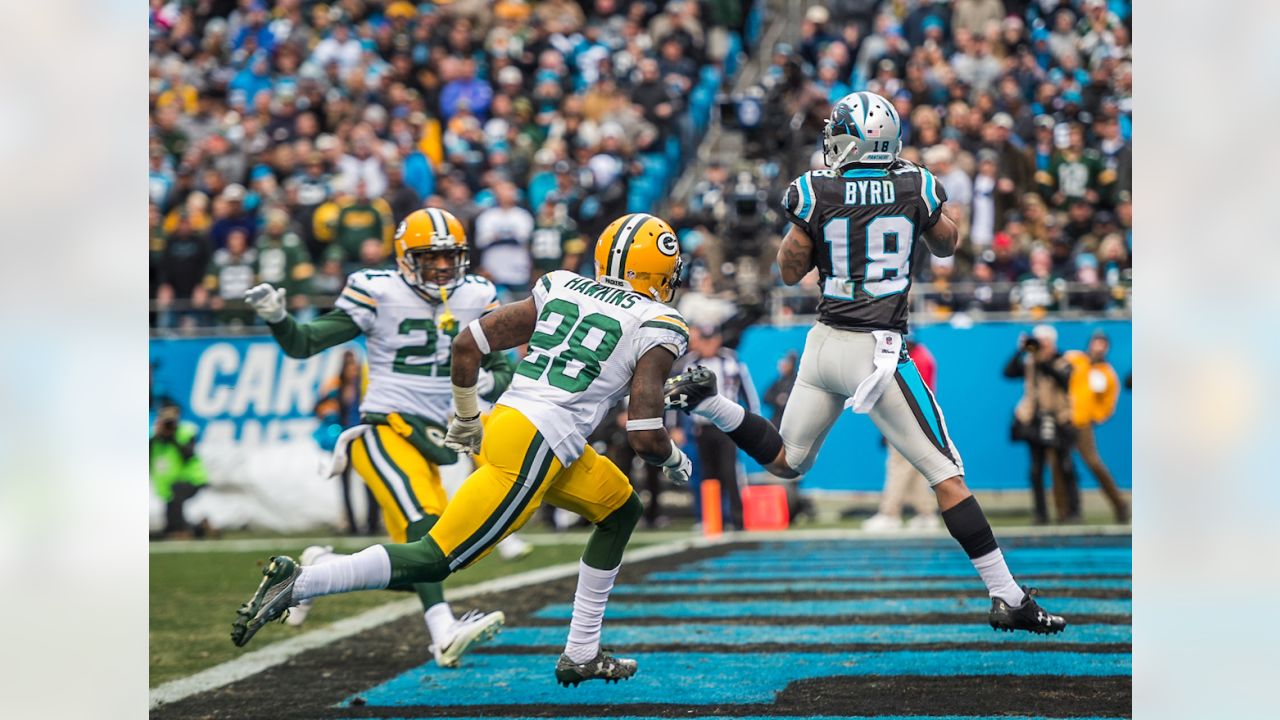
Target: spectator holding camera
x,y
176,471
1043,419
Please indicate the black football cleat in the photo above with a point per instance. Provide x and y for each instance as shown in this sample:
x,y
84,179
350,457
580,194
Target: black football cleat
x,y
601,667
688,389
1029,616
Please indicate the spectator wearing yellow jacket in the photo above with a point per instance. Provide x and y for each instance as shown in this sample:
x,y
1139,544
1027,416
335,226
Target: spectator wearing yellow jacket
x,y
1094,389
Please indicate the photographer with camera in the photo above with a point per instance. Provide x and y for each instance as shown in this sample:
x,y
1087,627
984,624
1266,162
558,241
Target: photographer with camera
x,y
1043,420
176,472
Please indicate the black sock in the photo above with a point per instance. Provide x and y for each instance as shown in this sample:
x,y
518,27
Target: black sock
x,y
968,525
758,438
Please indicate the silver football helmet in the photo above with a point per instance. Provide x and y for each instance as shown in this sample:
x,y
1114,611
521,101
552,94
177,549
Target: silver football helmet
x,y
864,128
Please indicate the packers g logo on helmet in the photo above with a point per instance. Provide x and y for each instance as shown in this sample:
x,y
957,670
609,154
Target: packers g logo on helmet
x,y
420,240
640,252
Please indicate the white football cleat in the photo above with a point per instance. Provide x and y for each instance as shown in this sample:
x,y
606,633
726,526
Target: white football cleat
x,y
471,629
310,556
930,522
882,523
513,548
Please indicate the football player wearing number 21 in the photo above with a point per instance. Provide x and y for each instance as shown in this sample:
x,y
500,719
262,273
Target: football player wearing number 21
x,y
591,341
409,318
858,222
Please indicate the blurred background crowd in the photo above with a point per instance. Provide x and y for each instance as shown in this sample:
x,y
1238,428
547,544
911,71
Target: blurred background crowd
x,y
288,138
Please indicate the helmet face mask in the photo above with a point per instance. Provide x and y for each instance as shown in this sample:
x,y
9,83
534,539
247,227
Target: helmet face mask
x,y
430,269
863,129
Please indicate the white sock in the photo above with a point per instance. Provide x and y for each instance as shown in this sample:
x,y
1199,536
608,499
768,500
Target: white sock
x,y
722,412
439,619
594,587
369,569
995,573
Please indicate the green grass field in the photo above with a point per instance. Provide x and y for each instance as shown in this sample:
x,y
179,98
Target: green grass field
x,y
194,597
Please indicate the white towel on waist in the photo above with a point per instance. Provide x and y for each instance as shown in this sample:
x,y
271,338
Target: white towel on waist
x,y
340,460
885,361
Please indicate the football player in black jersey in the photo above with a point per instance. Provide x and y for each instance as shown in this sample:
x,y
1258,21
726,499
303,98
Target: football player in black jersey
x,y
858,222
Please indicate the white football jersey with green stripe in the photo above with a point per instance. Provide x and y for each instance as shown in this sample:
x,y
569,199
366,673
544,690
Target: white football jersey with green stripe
x,y
408,342
583,354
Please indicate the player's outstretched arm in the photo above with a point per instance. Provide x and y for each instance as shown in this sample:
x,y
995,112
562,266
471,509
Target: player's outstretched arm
x,y
795,256
300,340
645,429
942,237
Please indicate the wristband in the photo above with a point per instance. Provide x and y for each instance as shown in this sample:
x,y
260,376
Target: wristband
x,y
477,334
653,423
464,402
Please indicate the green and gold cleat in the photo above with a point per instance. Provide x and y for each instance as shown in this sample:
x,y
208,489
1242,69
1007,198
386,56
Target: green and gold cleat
x,y
601,667
271,601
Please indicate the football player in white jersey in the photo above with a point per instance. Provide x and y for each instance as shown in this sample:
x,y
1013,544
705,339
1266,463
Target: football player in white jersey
x,y
858,222
409,318
591,342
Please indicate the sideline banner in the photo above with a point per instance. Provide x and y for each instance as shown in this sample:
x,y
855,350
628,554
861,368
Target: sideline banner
x,y
254,406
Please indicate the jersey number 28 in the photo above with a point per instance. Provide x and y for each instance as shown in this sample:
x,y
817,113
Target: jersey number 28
x,y
576,365
888,256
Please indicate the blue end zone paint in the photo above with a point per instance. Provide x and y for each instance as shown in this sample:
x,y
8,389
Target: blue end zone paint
x,y
828,555
709,678
692,583
957,572
811,608
711,634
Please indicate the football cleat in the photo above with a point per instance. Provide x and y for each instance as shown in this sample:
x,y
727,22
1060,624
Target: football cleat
x,y
689,389
270,602
601,667
514,548
1029,616
471,629
298,614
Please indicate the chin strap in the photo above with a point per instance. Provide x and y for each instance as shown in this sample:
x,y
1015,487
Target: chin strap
x,y
448,323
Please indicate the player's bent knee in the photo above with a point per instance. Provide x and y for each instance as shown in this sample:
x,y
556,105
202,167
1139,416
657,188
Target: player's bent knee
x,y
417,562
624,518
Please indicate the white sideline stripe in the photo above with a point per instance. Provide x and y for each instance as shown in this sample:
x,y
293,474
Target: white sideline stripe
x,y
281,652
343,543
346,542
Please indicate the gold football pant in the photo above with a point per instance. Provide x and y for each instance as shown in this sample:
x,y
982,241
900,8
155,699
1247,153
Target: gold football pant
x,y
519,473
406,485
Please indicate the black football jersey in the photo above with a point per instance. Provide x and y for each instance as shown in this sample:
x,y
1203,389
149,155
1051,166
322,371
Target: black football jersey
x,y
865,223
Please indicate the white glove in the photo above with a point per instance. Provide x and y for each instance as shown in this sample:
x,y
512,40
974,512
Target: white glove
x,y
484,383
678,468
464,435
267,301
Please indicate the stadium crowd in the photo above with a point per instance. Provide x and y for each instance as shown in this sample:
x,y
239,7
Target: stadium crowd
x,y
287,138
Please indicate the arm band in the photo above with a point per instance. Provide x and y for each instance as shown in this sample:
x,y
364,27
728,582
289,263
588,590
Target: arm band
x,y
464,402
653,423
477,333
